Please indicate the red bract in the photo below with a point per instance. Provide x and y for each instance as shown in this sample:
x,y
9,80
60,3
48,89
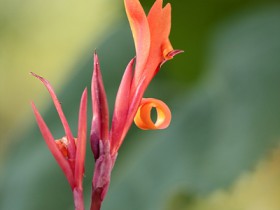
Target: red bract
x,y
69,155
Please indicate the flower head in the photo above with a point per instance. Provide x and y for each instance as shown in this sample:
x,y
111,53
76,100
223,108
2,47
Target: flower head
x,y
153,48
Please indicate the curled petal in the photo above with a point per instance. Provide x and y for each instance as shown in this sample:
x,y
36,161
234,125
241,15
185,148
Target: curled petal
x,y
143,116
169,55
172,53
166,49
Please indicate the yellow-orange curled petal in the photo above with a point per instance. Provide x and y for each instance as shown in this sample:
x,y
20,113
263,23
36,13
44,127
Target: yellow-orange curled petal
x,y
143,116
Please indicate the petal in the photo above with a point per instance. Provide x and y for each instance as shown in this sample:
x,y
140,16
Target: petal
x,y
160,24
71,146
121,107
81,141
143,116
135,99
159,20
141,33
62,162
100,120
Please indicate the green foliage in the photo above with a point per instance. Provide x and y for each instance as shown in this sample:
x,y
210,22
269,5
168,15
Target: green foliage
x,y
221,127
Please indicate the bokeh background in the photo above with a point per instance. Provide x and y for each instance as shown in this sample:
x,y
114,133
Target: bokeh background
x,y
221,151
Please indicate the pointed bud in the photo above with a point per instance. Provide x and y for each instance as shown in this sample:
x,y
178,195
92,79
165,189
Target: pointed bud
x,y
100,120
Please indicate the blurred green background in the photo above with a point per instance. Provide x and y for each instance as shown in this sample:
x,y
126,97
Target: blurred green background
x,y
222,148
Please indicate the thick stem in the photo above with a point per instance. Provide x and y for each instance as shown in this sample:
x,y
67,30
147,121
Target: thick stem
x,y
78,199
102,175
96,200
101,180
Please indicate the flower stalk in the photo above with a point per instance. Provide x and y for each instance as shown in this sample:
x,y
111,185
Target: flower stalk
x,y
153,49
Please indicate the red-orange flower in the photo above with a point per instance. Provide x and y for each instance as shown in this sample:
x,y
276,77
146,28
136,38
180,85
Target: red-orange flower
x,y
153,48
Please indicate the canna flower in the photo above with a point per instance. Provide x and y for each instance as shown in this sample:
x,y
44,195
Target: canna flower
x,y
69,152
153,48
